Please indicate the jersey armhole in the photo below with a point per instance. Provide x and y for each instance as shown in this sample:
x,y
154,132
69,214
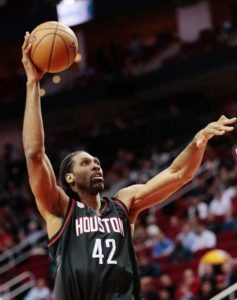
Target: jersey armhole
x,y
67,216
121,204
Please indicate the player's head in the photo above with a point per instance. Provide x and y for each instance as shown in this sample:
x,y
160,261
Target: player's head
x,y
81,172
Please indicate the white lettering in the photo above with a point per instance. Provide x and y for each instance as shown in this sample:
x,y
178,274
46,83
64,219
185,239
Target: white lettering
x,y
115,225
101,227
79,227
94,225
106,221
86,224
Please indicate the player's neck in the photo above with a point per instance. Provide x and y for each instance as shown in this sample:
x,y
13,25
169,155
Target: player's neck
x,y
92,201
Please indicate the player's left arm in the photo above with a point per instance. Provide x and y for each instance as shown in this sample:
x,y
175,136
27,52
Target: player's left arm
x,y
180,172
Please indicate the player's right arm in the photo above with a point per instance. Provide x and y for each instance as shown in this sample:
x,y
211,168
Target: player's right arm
x,y
50,198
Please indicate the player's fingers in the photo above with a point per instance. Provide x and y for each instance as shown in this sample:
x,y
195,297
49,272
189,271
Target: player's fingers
x,y
26,40
215,131
220,132
27,50
222,117
221,126
225,128
229,121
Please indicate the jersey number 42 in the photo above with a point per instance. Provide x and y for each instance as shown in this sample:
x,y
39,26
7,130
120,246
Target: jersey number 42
x,y
98,251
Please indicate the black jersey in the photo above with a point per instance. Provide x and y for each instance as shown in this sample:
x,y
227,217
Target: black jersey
x,y
94,254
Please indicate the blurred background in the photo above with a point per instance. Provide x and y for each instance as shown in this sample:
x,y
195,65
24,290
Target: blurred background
x,y
149,75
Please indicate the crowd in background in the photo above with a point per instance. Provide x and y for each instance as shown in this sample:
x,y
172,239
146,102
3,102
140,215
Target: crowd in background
x,y
144,54
124,59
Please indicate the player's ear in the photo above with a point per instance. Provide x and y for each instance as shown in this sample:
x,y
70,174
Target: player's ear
x,y
69,178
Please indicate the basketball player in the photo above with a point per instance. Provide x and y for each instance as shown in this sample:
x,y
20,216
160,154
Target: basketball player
x,y
90,236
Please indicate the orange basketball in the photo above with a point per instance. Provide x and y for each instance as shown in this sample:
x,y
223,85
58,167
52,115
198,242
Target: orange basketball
x,y
54,47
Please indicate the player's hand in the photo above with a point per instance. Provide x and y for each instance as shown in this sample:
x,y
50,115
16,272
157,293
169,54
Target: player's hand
x,y
32,73
219,127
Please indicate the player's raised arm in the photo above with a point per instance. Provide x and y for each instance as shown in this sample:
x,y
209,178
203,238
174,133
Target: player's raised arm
x,y
50,198
181,171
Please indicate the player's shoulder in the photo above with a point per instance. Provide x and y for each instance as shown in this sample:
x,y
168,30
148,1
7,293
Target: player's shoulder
x,y
126,195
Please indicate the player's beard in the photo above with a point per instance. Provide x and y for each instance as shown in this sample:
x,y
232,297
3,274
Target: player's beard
x,y
96,186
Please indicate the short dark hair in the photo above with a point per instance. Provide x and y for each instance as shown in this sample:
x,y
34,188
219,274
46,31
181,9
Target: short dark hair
x,y
66,166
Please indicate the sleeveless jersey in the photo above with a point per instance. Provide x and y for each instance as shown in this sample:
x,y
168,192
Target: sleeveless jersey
x,y
94,254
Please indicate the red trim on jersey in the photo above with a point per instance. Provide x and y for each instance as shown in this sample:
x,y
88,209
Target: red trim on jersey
x,y
104,205
121,204
60,232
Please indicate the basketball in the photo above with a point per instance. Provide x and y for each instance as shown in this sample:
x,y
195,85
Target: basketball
x,y
54,47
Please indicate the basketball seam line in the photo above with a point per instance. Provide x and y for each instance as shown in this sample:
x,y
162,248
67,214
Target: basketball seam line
x,y
65,44
40,42
51,54
72,36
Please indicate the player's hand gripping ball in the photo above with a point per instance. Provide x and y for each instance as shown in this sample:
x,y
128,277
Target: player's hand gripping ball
x,y
54,47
